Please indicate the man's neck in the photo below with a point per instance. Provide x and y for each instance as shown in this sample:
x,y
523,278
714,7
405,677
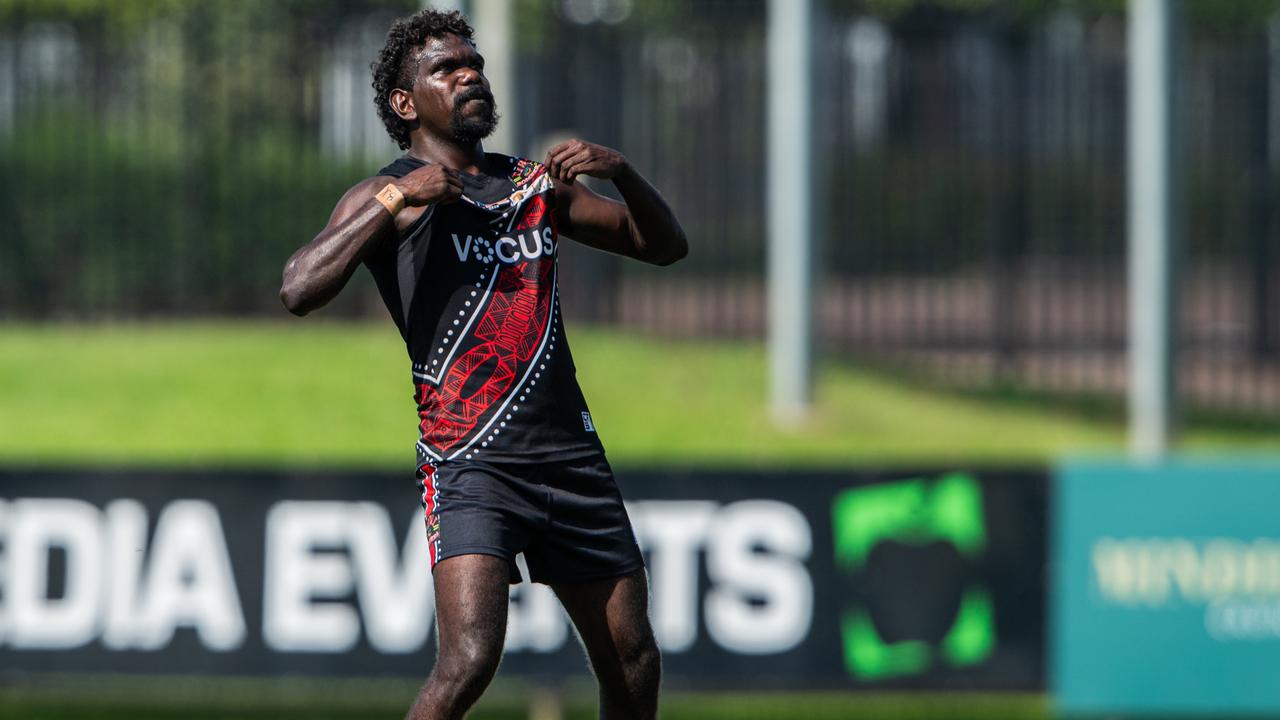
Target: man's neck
x,y
468,159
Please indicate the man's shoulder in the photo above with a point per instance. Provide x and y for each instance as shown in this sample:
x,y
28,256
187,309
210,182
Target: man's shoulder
x,y
399,167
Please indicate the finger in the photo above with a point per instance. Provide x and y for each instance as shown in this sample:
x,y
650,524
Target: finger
x,y
564,150
553,165
578,159
440,191
550,161
447,185
559,151
562,154
432,170
555,149
565,175
583,162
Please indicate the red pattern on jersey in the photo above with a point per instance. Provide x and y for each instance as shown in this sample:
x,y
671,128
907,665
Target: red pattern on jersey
x,y
509,330
532,217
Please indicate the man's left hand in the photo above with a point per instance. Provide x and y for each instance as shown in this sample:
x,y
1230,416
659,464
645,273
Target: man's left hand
x,y
570,159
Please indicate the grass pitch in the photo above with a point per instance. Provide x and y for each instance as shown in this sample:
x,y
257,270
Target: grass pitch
x,y
134,698
316,393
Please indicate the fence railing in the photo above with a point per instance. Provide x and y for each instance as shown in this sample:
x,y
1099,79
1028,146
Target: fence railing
x,y
164,159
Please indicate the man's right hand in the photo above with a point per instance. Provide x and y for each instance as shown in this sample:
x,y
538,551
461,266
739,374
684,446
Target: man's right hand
x,y
429,185
318,270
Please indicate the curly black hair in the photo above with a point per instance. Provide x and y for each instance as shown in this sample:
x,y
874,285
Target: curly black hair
x,y
395,69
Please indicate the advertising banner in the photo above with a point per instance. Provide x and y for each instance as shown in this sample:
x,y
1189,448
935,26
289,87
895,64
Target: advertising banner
x,y
1167,588
806,579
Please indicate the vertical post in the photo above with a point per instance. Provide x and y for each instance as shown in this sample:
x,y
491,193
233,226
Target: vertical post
x,y
1154,227
447,5
1012,224
495,37
792,206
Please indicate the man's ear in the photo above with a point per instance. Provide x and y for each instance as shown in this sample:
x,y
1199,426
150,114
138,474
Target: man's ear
x,y
402,104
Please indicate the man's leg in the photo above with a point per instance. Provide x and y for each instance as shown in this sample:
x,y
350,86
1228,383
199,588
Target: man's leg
x,y
613,619
471,623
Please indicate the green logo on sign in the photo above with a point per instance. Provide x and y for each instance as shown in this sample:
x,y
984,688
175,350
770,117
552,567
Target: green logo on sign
x,y
915,513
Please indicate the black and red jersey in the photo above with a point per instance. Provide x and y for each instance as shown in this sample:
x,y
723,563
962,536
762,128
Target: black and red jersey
x,y
472,287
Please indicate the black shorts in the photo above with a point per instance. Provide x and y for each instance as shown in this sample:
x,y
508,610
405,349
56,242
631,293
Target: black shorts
x,y
566,517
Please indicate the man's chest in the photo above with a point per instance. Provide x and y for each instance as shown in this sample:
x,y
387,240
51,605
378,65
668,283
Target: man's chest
x,y
464,236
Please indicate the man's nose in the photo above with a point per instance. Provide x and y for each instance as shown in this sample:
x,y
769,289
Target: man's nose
x,y
470,76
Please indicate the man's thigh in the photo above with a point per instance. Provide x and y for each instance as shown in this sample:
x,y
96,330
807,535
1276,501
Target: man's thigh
x,y
471,604
611,615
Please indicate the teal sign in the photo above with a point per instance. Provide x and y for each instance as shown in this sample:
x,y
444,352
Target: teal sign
x,y
1166,592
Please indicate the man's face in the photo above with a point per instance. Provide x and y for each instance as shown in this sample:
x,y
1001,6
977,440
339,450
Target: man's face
x,y
451,93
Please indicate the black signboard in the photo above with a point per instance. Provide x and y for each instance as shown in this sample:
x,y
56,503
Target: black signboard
x,y
930,579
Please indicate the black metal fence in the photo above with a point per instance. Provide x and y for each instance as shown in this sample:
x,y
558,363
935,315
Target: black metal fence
x,y
163,158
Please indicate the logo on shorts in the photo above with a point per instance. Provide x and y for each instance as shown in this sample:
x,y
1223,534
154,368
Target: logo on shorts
x,y
586,422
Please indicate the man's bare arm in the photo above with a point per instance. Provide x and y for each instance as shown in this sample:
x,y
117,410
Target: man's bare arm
x,y
318,271
643,227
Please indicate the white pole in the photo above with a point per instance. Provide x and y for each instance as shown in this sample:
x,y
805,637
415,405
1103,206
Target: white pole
x,y
1153,226
495,37
446,5
790,192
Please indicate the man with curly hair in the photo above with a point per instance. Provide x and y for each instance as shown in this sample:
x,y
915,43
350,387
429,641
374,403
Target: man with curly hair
x,y
462,245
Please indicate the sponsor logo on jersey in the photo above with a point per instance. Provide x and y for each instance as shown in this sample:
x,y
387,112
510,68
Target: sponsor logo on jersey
x,y
508,249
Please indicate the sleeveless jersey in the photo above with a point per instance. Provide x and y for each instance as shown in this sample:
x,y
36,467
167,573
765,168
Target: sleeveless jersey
x,y
472,287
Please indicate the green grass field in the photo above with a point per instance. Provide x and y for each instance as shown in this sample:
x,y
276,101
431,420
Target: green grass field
x,y
326,394
323,394
254,699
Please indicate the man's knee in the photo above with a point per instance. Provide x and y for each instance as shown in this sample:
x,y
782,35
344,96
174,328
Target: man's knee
x,y
632,690
471,615
468,665
641,656
639,667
